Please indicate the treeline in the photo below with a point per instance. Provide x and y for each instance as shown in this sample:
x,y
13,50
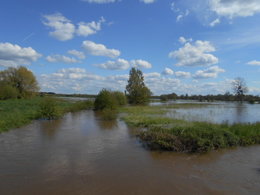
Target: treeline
x,y
219,97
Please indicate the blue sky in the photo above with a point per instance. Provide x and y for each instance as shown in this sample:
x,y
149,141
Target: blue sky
x,y
182,46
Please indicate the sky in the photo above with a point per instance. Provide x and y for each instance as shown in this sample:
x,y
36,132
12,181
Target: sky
x,y
181,46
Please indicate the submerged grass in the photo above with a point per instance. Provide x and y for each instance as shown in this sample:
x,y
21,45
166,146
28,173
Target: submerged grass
x,y
184,136
17,112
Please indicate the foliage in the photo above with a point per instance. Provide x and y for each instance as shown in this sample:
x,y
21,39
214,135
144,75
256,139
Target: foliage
x,y
7,92
21,79
109,100
49,109
138,93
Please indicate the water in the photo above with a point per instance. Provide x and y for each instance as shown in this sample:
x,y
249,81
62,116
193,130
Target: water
x,y
82,154
218,112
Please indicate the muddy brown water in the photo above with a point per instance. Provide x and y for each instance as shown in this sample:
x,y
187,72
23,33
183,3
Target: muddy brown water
x,y
82,154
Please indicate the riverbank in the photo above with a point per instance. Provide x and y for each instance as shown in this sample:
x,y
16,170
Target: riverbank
x,y
164,133
18,112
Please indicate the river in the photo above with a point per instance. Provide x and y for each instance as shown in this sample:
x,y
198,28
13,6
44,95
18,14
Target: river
x,y
82,154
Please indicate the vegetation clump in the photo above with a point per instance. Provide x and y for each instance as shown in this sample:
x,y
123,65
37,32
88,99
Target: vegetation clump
x,y
166,133
48,109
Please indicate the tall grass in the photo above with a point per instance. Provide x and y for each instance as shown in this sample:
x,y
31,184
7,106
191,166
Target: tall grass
x,y
17,112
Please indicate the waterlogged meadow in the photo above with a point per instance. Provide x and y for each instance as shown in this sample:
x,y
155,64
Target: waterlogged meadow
x,y
160,129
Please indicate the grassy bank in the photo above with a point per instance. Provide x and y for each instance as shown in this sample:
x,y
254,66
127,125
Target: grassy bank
x,y
160,132
18,112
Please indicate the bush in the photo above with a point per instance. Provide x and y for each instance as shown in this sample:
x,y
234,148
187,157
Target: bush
x,y
120,98
105,100
49,109
8,92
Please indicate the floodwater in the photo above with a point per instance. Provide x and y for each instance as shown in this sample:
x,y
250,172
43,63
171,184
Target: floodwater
x,y
218,112
82,154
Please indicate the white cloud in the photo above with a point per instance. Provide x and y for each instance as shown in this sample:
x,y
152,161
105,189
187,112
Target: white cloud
x,y
141,64
148,1
184,40
63,29
119,64
182,15
86,29
99,49
168,71
152,75
235,8
211,72
61,59
100,1
181,74
215,22
254,63
15,55
196,54
78,54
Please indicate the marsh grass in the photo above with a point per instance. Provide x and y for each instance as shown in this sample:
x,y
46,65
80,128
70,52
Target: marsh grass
x,y
166,133
18,112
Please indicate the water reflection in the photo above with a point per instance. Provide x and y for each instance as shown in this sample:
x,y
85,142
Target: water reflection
x,y
49,128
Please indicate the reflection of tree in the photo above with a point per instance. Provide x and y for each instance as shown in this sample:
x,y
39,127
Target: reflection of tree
x,y
240,112
103,123
50,127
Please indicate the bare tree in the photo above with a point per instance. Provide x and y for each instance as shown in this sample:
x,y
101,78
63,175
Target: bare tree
x,y
240,88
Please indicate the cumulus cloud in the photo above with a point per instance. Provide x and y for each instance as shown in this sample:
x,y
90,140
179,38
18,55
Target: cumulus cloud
x,y
168,71
181,13
15,55
235,8
182,74
196,54
100,1
61,59
86,29
63,29
119,64
211,72
254,63
141,64
99,49
78,54
148,1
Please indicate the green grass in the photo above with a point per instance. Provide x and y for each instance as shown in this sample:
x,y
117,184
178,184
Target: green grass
x,y
161,132
18,112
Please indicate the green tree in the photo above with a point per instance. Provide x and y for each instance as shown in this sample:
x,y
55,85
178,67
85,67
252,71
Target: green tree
x,y
137,92
21,79
105,100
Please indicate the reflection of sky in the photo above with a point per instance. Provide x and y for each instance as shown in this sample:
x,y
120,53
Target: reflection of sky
x,y
220,113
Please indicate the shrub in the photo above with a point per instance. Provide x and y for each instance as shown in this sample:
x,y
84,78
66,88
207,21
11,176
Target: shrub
x,y
105,100
8,92
120,98
49,109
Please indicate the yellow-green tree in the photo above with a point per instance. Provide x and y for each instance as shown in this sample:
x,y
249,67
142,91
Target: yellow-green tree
x,y
20,79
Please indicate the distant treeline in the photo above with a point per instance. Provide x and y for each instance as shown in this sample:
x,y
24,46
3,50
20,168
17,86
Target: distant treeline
x,y
219,97
67,95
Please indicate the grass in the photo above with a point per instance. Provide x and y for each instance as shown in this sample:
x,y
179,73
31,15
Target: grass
x,y
18,112
160,132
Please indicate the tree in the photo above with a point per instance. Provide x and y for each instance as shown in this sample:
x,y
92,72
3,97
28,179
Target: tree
x,y
137,92
20,79
239,88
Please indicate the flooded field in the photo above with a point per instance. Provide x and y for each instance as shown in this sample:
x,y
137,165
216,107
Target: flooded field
x,y
217,112
82,154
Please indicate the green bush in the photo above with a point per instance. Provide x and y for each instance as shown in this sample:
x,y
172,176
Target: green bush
x,y
49,109
120,98
8,92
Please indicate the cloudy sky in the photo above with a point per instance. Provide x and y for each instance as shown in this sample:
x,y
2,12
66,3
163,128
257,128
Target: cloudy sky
x,y
182,46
